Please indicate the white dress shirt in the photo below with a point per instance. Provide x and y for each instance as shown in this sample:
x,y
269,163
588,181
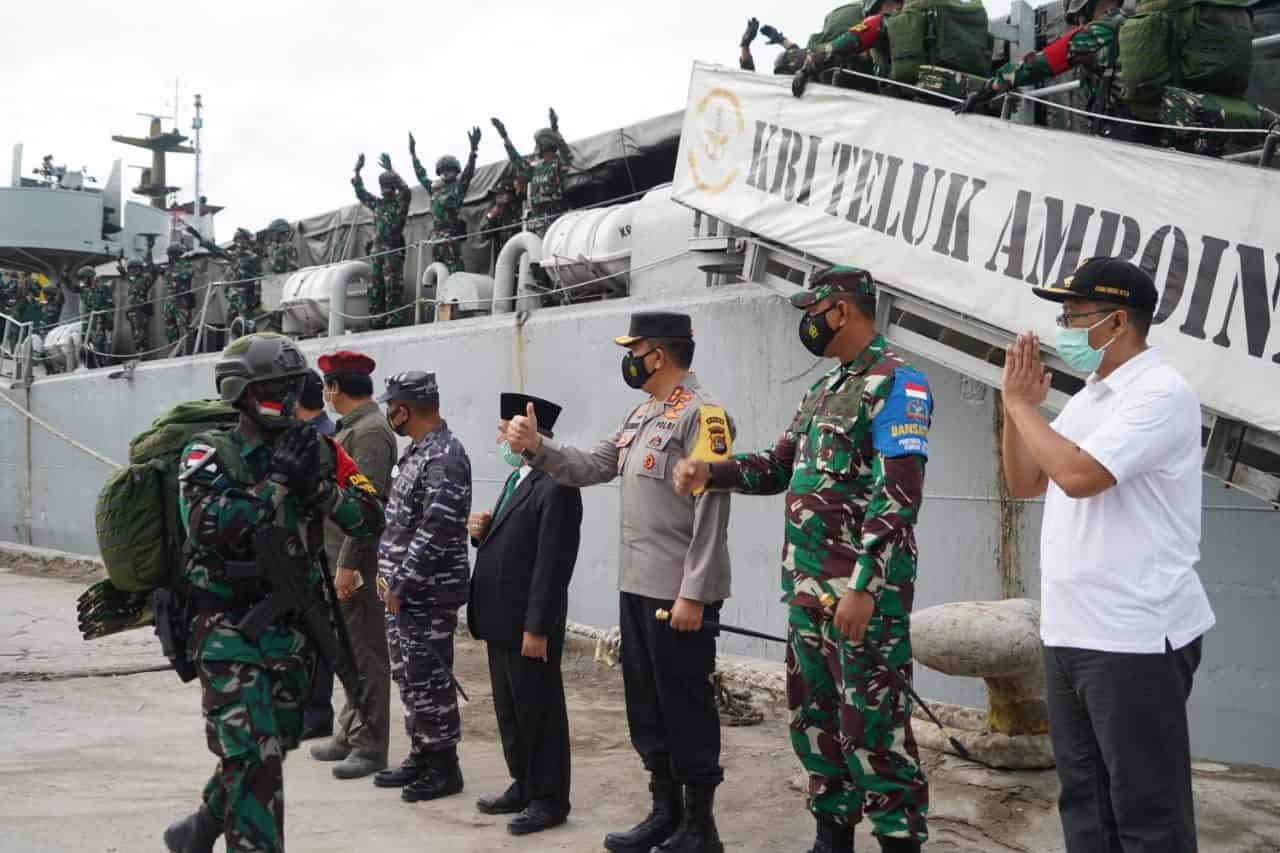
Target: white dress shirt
x,y
1118,569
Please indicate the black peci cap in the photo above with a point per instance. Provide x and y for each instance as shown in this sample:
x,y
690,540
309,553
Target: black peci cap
x,y
511,404
1106,280
656,324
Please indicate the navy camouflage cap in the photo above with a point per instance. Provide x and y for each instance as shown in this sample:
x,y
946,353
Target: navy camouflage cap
x,y
836,279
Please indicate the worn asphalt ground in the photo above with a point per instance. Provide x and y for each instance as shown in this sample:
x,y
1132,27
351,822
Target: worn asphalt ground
x,y
98,756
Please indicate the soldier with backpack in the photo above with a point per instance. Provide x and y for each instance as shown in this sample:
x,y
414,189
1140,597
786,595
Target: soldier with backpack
x,y
1091,44
254,498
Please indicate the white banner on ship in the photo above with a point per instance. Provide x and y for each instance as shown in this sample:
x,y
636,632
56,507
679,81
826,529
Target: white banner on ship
x,y
971,212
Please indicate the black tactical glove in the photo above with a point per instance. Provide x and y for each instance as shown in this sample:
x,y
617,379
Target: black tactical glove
x,y
753,27
773,34
295,461
973,101
359,163
801,80
501,128
385,161
474,138
413,145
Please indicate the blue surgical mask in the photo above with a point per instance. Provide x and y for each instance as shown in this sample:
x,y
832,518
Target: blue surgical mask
x,y
510,456
1074,348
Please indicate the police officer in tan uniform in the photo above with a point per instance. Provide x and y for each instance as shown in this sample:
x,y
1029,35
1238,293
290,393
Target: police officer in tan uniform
x,y
672,554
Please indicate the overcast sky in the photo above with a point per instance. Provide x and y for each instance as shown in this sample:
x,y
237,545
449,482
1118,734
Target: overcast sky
x,y
293,90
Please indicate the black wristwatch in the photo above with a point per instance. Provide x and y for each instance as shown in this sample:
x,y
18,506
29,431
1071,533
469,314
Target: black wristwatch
x,y
528,455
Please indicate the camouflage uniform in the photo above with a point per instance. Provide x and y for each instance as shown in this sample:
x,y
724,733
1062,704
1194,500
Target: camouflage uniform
x,y
502,220
51,311
283,256
386,290
545,201
1092,47
869,36
852,463
1193,110
447,229
422,560
244,267
139,303
179,301
253,692
97,299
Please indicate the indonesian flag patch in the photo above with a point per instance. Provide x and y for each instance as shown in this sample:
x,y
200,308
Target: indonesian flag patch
x,y
270,408
196,455
916,390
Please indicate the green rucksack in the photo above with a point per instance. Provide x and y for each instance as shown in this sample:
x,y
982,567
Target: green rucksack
x,y
1199,45
838,22
948,33
140,533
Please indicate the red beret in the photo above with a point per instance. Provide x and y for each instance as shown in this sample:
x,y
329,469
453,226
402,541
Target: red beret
x,y
346,361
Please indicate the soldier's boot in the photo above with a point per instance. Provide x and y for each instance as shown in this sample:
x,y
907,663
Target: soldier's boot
x,y
442,779
832,838
697,832
195,833
664,817
408,771
898,845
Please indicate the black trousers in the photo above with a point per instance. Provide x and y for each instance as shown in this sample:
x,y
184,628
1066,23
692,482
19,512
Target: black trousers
x,y
318,713
533,722
1118,724
671,707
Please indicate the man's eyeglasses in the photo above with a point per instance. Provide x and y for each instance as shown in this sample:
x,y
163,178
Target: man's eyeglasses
x,y
1065,319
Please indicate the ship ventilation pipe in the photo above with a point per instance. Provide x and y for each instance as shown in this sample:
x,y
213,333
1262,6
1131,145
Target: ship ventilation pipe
x,y
433,276
526,249
334,280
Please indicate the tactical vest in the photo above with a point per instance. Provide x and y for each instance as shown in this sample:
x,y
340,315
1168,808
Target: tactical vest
x,y
949,33
1197,45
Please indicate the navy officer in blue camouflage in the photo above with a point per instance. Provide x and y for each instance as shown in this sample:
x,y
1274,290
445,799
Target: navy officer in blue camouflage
x,y
423,580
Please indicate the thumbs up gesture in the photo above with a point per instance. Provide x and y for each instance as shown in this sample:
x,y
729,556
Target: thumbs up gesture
x,y
522,431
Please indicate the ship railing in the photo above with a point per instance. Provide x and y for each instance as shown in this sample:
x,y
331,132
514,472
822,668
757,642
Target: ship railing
x,y
15,348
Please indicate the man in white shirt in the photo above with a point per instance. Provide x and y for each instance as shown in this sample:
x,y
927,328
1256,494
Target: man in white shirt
x,y
1122,608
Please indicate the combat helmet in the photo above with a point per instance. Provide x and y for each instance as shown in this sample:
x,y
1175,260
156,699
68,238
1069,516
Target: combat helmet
x,y
387,180
174,250
546,138
279,226
448,163
870,7
1078,9
274,366
84,273
790,60
133,264
244,234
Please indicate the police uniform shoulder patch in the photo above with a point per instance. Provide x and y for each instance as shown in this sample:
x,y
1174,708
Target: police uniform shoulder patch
x,y
714,441
901,428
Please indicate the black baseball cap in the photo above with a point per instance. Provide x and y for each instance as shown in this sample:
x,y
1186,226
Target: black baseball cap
x,y
511,404
1106,280
656,324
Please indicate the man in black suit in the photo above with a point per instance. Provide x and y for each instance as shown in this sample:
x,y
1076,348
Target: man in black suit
x,y
519,598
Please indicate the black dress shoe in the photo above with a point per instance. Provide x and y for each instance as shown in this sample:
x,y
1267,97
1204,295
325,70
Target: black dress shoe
x,y
509,801
537,817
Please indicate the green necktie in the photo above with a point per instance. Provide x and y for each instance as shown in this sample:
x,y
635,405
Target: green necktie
x,y
507,491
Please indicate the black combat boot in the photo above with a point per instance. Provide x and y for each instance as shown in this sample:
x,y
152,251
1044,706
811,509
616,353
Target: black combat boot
x,y
442,778
898,845
832,838
195,833
409,770
697,832
662,821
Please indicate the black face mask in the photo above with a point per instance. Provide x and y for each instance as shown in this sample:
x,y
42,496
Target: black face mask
x,y
634,373
273,405
816,333
397,426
